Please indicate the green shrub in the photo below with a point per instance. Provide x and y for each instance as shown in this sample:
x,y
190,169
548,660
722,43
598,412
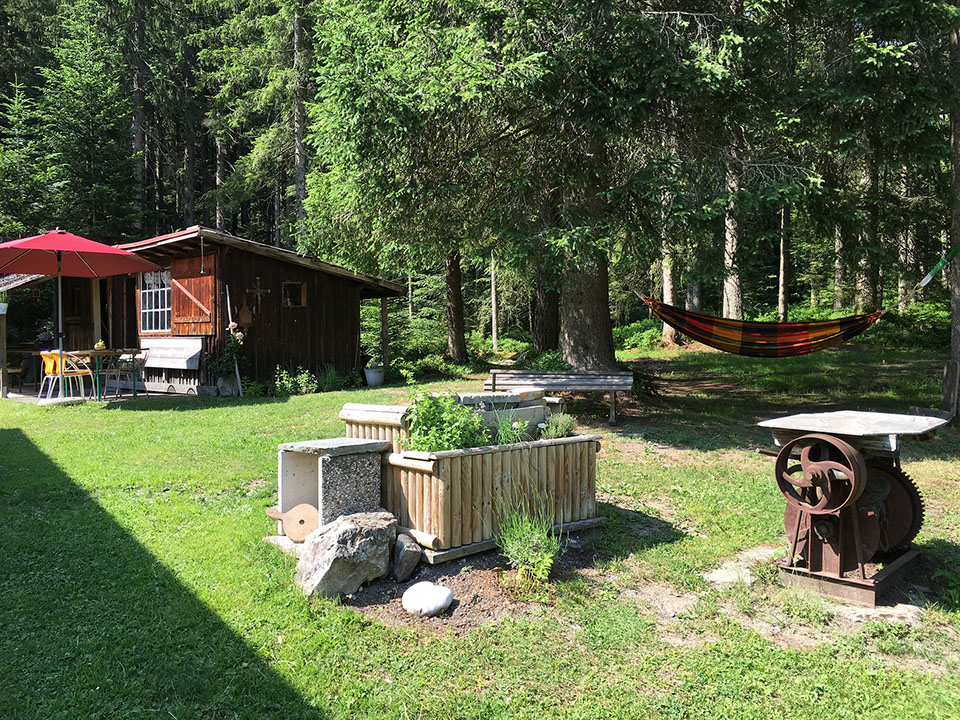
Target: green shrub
x,y
507,430
559,425
438,422
550,360
330,381
253,388
642,335
524,535
425,367
300,382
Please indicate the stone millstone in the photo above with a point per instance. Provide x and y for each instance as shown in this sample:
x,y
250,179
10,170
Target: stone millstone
x,y
425,599
406,557
338,557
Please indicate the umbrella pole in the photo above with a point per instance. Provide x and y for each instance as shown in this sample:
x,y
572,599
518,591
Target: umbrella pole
x,y
60,318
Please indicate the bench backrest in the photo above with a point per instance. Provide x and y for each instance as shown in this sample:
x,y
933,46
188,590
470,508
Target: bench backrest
x,y
621,380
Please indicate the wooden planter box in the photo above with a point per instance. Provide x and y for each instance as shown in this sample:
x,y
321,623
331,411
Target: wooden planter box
x,y
452,499
457,495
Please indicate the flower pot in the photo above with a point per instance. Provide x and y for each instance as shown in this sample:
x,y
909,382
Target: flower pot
x,y
3,308
374,376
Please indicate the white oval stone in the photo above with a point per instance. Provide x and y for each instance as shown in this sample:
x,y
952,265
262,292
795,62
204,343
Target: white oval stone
x,y
425,599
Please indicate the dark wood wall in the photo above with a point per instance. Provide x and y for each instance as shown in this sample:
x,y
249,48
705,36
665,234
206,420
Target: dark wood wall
x,y
325,331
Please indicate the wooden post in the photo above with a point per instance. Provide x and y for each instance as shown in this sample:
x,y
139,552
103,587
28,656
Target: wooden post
x,y
4,380
96,322
384,333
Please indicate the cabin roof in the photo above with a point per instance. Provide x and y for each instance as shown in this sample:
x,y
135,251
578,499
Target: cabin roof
x,y
162,246
13,281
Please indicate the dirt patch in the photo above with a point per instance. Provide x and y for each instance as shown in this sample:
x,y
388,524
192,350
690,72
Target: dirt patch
x,y
482,591
479,596
662,599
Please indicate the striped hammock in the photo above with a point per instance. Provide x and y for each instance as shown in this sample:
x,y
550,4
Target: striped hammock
x,y
762,339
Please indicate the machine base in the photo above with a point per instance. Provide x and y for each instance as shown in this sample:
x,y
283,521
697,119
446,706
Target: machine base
x,y
853,589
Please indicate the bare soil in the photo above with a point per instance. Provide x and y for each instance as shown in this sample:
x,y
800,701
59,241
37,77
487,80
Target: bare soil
x,y
482,586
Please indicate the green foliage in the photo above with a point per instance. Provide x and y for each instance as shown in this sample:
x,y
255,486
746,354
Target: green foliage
x,y
254,389
559,425
525,536
506,429
438,422
643,335
550,360
231,358
86,116
299,382
431,366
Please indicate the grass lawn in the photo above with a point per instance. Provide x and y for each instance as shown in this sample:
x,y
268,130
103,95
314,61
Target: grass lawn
x,y
133,579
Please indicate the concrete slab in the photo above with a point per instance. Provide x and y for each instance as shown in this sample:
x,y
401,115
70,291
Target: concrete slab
x,y
333,447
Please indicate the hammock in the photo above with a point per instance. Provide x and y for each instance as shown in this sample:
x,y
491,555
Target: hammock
x,y
762,339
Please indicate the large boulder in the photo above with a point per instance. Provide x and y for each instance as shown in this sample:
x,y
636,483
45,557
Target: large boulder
x,y
406,556
338,557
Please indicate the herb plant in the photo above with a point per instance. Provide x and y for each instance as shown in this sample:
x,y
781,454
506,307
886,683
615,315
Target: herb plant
x,y
525,537
507,430
559,425
438,422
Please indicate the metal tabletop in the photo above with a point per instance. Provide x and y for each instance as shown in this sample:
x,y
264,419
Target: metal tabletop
x,y
873,432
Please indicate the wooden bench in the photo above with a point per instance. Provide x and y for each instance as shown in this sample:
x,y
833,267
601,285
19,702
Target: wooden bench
x,y
560,380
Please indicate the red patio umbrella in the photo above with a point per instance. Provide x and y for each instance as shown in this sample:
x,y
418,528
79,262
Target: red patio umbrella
x,y
61,253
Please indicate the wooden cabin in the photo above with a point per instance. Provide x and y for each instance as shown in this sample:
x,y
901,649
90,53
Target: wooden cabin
x,y
294,310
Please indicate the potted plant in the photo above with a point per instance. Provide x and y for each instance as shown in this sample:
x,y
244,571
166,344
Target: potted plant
x,y
3,302
373,372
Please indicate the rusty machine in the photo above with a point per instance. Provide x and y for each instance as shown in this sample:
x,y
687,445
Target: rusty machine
x,y
851,511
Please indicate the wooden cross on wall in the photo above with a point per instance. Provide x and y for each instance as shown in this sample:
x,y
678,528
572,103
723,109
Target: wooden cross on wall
x,y
259,290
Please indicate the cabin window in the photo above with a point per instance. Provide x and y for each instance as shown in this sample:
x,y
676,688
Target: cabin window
x,y
294,294
155,301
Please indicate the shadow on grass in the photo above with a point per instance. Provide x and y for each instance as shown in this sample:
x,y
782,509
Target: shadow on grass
x,y
92,625
712,401
189,402
628,532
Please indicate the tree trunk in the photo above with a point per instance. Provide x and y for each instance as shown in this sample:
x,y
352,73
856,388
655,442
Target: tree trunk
x,y
783,300
493,302
955,206
546,319
669,334
869,281
586,335
189,173
732,282
905,272
456,337
221,178
838,268
409,296
693,296
300,119
138,117
277,210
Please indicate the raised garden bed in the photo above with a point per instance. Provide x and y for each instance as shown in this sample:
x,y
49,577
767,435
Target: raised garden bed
x,y
456,495
452,498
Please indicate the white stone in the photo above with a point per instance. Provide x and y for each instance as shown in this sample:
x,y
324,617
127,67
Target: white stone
x,y
426,599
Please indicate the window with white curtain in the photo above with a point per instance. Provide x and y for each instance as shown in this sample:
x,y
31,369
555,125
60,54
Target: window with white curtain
x,y
155,301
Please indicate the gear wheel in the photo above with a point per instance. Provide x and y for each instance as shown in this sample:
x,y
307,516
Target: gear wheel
x,y
903,507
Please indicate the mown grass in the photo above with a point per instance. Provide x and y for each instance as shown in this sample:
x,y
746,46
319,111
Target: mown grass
x,y
134,580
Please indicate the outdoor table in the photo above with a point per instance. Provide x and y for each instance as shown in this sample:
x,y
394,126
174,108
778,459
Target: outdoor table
x,y
873,433
98,357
